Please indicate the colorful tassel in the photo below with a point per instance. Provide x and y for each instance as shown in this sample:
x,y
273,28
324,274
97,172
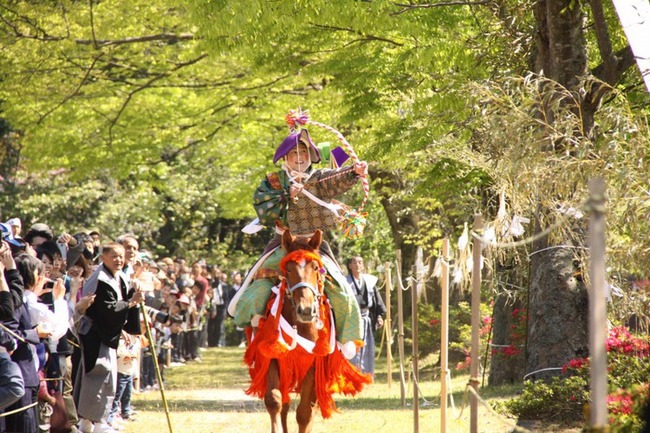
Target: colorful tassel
x,y
353,223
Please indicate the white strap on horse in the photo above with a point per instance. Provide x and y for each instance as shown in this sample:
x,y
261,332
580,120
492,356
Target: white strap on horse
x,y
284,326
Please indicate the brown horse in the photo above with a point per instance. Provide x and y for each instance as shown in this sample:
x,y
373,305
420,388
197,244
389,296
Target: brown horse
x,y
294,348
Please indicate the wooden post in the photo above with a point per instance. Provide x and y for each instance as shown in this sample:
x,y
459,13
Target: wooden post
x,y
400,327
598,307
416,374
476,322
388,326
444,334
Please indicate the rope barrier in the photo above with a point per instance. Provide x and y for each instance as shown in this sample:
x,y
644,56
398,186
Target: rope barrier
x,y
522,242
557,246
514,427
511,285
469,388
505,345
2,415
417,385
51,379
540,370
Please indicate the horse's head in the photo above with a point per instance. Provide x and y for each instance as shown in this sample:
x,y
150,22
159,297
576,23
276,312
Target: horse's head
x,y
303,270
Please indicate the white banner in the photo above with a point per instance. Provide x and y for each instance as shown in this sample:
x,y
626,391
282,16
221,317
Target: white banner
x,y
635,18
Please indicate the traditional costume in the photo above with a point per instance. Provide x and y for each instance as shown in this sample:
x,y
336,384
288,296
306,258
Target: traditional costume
x,y
372,306
99,335
314,208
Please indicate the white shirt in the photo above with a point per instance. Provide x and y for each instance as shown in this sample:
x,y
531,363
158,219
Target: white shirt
x,y
39,313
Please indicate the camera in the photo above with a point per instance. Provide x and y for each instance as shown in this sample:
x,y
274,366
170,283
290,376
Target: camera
x,y
157,315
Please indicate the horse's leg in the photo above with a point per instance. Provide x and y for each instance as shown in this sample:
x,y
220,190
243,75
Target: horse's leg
x,y
305,409
283,416
273,397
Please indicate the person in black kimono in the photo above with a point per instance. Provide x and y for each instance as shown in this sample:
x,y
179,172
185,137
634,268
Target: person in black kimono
x,y
372,309
113,310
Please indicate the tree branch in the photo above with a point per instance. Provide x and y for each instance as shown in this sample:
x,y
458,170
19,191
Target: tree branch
x,y
610,62
137,39
92,24
171,156
73,94
18,33
146,86
357,32
261,86
624,60
411,7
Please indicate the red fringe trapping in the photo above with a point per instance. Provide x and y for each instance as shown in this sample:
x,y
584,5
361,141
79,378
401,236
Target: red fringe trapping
x,y
333,373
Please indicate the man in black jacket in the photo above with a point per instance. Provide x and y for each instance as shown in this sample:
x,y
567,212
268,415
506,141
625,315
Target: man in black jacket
x,y
113,309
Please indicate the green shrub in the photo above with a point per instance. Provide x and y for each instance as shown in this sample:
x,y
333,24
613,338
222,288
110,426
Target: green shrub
x,y
566,397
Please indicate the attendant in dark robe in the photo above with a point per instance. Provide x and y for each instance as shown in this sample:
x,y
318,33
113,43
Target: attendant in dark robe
x,y
113,310
372,310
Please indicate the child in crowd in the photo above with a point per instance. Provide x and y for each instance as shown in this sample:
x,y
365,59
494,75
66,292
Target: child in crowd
x,y
128,350
300,198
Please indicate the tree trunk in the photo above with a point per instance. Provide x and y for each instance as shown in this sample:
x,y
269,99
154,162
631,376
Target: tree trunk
x,y
558,308
558,305
508,332
402,220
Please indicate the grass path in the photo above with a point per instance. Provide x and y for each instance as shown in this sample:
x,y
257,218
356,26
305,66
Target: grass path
x,y
208,397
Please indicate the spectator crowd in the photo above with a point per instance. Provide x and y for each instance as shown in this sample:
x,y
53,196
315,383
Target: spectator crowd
x,y
74,343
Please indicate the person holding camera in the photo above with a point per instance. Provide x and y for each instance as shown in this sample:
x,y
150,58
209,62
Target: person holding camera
x,y
29,336
12,386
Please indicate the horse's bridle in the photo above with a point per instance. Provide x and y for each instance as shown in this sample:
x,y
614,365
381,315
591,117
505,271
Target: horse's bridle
x,y
304,284
317,297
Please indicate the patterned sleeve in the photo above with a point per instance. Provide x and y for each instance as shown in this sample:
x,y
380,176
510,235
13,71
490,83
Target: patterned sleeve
x,y
271,201
333,183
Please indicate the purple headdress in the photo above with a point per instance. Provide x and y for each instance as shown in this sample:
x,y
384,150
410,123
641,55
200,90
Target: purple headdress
x,y
297,121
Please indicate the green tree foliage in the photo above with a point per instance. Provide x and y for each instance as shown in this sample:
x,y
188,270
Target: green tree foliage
x,y
123,96
183,101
